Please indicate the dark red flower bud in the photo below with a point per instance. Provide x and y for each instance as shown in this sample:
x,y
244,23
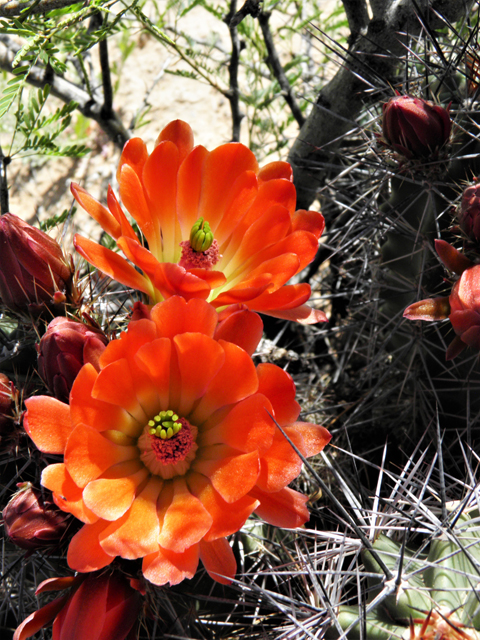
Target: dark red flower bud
x,y
414,127
32,266
64,348
100,606
469,212
31,521
8,395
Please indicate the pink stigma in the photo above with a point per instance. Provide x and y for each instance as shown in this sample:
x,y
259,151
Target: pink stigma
x,y
175,449
199,260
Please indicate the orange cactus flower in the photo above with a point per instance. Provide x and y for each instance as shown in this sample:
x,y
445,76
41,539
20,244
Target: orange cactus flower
x,y
173,443
217,227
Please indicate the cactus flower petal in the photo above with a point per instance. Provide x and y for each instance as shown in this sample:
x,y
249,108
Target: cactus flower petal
x,y
428,309
451,258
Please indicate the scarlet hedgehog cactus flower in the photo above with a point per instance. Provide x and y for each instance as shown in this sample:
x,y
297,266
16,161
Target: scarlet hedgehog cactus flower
x,y
414,127
98,606
33,269
462,306
217,226
173,443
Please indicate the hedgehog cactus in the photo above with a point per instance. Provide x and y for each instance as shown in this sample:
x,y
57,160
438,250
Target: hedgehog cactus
x,y
418,134
416,213
433,595
413,209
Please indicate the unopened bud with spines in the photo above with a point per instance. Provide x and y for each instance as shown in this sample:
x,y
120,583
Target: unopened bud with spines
x,y
32,521
33,270
63,350
415,128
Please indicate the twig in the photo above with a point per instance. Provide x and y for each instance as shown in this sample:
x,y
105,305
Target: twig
x,y
217,46
162,37
9,8
233,92
249,8
67,91
274,62
4,161
107,108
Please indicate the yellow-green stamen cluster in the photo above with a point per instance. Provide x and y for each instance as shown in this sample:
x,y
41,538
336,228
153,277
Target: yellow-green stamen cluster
x,y
164,425
201,236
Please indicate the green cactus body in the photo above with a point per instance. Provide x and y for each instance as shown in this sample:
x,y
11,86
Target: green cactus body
x,y
370,627
411,599
448,576
471,610
438,594
415,207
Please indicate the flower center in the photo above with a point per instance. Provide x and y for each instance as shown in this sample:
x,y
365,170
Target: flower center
x,y
167,445
201,250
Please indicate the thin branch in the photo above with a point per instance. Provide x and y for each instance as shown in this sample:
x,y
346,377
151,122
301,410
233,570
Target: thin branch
x,y
162,37
274,62
9,8
67,91
4,161
233,93
107,108
249,8
217,46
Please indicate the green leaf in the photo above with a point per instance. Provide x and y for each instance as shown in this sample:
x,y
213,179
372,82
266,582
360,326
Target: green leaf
x,y
54,221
